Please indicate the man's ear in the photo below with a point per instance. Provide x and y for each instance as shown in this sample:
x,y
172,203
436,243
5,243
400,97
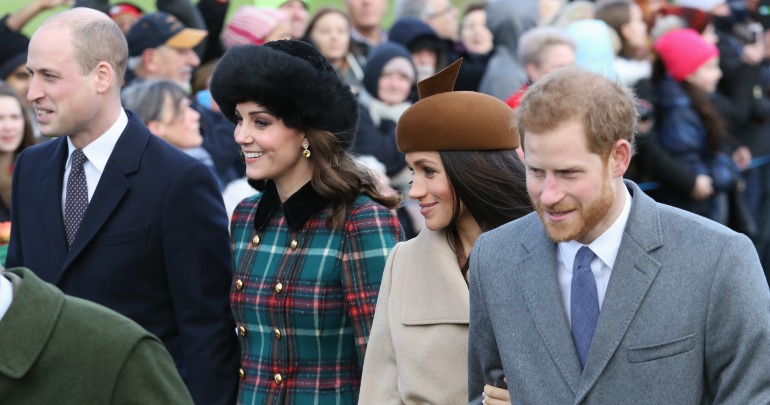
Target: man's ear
x,y
620,158
156,128
105,74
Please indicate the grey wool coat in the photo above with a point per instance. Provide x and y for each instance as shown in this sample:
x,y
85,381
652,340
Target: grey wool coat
x,y
685,319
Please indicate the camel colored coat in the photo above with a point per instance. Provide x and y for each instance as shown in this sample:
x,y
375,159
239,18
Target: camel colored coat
x,y
418,346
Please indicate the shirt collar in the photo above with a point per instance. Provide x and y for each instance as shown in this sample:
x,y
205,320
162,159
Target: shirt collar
x,y
605,246
303,204
99,151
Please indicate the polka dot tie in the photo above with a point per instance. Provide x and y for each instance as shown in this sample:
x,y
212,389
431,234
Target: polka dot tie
x,y
584,303
77,196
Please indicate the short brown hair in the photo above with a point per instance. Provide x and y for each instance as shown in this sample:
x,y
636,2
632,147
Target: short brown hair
x,y
606,108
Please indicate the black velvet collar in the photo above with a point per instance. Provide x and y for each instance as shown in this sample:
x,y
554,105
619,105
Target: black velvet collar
x,y
303,204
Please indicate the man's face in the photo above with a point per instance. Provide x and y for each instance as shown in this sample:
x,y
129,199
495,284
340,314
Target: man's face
x,y
172,64
366,14
64,97
297,16
443,19
572,189
19,79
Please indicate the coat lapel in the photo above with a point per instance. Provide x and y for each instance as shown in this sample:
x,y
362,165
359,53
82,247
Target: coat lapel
x,y
539,280
631,278
51,185
113,185
436,296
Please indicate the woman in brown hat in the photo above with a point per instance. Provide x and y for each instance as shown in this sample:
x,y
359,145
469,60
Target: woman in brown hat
x,y
467,179
310,248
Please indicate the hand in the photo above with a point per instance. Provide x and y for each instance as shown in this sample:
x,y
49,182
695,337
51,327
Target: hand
x,y
742,157
495,396
48,4
753,54
703,187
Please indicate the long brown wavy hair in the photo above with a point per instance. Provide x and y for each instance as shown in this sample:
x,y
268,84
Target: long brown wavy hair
x,y
338,178
28,139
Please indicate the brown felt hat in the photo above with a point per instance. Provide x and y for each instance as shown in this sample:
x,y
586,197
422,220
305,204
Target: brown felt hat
x,y
455,120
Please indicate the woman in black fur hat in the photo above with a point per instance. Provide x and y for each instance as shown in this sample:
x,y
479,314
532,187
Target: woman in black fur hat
x,y
310,248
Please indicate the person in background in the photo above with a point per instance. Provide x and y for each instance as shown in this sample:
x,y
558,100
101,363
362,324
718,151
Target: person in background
x,y
110,213
15,136
310,248
58,349
625,17
389,76
255,26
474,33
428,52
467,180
542,50
366,28
296,10
161,47
329,31
508,20
688,124
476,46
574,11
164,108
125,14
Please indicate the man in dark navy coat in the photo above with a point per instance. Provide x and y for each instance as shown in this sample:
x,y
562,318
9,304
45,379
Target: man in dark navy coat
x,y
115,215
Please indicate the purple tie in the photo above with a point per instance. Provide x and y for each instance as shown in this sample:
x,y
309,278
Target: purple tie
x,y
584,303
77,196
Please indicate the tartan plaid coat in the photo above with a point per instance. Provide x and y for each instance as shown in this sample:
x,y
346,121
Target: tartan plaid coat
x,y
304,295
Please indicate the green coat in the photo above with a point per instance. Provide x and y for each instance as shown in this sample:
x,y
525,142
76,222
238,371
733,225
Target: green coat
x,y
56,349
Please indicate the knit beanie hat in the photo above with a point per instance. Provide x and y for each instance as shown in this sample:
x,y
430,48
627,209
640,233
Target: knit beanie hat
x,y
251,25
293,81
455,120
13,52
693,17
683,51
702,5
378,58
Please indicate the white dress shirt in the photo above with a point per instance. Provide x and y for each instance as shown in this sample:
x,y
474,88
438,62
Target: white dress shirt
x,y
605,247
6,295
97,152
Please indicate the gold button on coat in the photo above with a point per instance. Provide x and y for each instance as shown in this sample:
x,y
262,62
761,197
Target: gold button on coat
x,y
278,378
255,241
239,285
278,287
277,333
294,244
241,373
242,330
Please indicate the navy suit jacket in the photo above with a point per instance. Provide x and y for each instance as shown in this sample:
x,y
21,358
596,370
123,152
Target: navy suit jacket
x,y
153,245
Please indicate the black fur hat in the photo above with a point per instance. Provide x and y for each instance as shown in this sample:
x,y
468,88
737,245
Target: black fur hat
x,y
293,81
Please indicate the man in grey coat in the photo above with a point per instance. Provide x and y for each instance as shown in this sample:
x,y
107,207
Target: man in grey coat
x,y
605,296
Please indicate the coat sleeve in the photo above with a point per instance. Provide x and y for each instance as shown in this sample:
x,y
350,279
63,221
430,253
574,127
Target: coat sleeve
x,y
196,251
149,376
738,328
14,256
372,231
379,383
484,363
